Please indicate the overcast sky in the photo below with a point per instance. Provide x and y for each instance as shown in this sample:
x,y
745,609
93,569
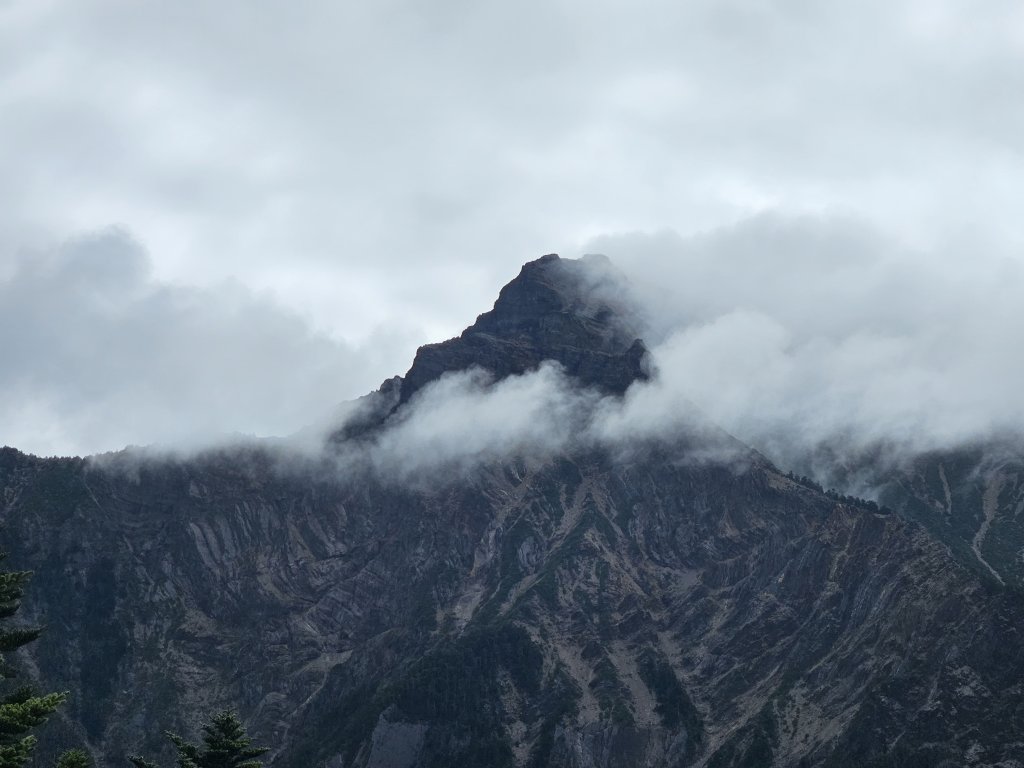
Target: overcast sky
x,y
231,216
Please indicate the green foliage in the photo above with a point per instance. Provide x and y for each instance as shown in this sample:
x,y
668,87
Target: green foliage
x,y
456,687
510,571
674,705
459,681
21,710
752,746
225,745
106,644
74,758
610,692
897,757
834,495
559,702
546,586
58,490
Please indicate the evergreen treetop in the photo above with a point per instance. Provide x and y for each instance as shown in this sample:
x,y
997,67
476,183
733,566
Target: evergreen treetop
x,y
21,710
225,745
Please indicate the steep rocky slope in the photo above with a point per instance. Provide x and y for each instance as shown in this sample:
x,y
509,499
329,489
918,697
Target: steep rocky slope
x,y
652,608
557,309
971,498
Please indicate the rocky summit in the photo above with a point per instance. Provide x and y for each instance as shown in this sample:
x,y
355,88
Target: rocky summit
x,y
593,609
561,310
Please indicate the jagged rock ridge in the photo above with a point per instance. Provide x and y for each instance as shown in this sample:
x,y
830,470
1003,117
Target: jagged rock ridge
x,y
582,610
570,312
556,309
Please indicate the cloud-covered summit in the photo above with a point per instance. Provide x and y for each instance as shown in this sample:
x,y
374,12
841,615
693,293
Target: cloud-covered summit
x,y
377,171
790,334
555,309
785,332
797,330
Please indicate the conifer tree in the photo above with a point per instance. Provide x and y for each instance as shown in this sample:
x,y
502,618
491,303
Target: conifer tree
x,y
225,745
74,758
21,710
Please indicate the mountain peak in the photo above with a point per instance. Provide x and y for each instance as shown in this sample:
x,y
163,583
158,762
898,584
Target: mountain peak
x,y
564,310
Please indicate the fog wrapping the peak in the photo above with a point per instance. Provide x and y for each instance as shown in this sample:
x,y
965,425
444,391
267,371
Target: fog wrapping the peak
x,y
802,330
788,333
785,332
817,206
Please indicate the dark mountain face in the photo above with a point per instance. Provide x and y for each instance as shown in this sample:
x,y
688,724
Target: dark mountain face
x,y
970,497
555,310
972,500
579,610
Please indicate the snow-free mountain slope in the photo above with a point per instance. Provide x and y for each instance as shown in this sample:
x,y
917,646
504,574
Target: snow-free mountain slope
x,y
654,607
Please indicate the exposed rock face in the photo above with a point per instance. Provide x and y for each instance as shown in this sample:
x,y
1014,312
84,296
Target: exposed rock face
x,y
972,499
583,611
556,309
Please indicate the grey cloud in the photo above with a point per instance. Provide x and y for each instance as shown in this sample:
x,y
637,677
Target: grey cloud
x,y
98,354
791,332
382,169
427,140
788,333
465,419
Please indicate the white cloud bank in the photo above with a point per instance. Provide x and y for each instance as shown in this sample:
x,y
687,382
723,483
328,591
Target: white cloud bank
x,y
97,354
383,168
466,419
786,333
810,329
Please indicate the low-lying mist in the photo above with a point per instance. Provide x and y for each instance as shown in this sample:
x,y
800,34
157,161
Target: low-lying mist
x,y
796,336
791,334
